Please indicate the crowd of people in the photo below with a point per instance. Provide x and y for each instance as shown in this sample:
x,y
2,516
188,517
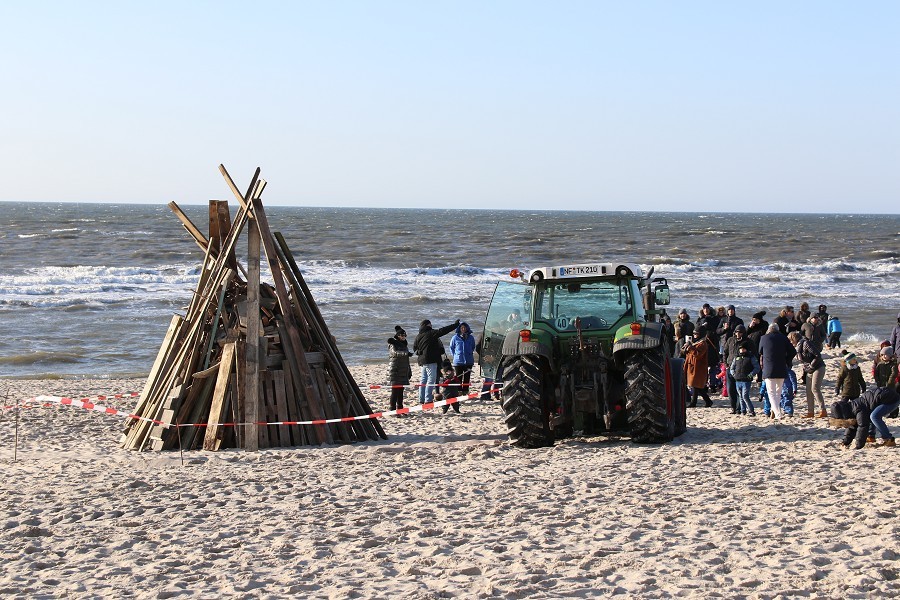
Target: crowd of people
x,y
723,354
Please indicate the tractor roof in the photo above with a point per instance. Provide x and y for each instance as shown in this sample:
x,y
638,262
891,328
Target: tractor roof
x,y
586,271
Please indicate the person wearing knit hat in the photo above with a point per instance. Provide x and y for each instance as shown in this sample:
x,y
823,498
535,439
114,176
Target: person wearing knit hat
x,y
399,369
885,372
850,382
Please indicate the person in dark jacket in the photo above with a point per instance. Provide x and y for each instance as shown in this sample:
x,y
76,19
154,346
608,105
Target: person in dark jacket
x,y
449,387
786,321
856,416
399,371
814,372
803,314
744,368
850,382
462,353
823,320
709,322
757,328
773,358
428,349
886,371
895,337
684,332
731,351
727,324
812,331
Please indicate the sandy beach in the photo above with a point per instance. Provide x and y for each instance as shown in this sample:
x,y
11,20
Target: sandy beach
x,y
735,508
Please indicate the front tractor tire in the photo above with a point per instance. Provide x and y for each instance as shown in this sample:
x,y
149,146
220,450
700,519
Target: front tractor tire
x,y
525,403
652,398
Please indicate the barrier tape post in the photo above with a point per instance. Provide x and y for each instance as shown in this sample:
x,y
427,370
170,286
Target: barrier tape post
x,y
180,448
16,434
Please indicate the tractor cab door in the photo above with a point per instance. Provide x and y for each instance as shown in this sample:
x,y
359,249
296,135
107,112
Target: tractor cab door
x,y
510,310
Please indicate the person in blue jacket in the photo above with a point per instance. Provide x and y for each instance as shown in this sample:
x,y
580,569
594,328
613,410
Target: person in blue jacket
x,y
462,355
834,332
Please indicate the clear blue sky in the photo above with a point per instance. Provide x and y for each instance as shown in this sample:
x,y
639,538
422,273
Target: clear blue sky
x,y
695,106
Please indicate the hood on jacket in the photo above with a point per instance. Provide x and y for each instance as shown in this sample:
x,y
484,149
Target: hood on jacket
x,y
468,329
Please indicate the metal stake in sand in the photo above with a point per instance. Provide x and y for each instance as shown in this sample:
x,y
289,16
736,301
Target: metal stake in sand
x,y
16,435
180,448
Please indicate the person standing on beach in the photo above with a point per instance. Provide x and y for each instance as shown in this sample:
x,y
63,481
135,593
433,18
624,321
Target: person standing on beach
x,y
462,354
803,314
895,337
834,330
743,369
814,369
696,367
684,332
399,370
850,381
428,349
773,358
813,332
885,371
757,329
708,321
823,320
786,322
731,352
727,325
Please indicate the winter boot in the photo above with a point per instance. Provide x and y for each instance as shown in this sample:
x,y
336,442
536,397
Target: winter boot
x,y
889,443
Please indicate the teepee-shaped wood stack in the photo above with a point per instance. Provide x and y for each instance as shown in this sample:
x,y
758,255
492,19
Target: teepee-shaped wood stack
x,y
211,387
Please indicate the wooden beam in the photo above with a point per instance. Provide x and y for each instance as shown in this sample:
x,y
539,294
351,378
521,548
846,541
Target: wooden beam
x,y
251,350
213,438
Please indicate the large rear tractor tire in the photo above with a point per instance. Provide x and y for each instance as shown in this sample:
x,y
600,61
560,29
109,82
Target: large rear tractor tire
x,y
525,403
652,414
679,389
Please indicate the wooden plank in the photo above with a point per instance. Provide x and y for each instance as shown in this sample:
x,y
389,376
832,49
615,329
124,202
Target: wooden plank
x,y
251,351
242,199
189,226
229,440
213,438
281,405
224,219
263,430
298,433
164,349
304,381
348,387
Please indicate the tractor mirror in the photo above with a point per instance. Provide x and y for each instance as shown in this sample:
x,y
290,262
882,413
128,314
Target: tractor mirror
x,y
662,295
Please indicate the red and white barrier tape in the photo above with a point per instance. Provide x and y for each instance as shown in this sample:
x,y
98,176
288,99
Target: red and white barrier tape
x,y
89,404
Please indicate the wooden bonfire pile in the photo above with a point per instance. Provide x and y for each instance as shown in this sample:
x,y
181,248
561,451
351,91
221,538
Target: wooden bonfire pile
x,y
247,352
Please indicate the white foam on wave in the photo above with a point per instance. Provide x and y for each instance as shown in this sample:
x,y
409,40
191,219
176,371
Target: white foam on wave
x,y
862,337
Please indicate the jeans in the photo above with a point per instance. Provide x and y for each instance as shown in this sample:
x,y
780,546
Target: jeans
x,y
773,390
743,393
814,390
877,418
429,379
732,393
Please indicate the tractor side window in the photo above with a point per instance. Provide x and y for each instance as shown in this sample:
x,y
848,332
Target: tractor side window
x,y
509,311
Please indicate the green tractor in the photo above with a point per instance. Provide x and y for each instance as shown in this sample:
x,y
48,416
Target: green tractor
x,y
581,348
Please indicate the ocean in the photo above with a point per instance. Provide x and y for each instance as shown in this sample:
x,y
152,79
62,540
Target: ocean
x,y
89,289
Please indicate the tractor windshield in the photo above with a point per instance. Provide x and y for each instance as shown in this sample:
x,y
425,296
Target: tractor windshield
x,y
598,304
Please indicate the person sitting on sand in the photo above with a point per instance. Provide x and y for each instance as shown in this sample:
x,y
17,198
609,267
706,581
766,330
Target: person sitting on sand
x,y
449,387
857,416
